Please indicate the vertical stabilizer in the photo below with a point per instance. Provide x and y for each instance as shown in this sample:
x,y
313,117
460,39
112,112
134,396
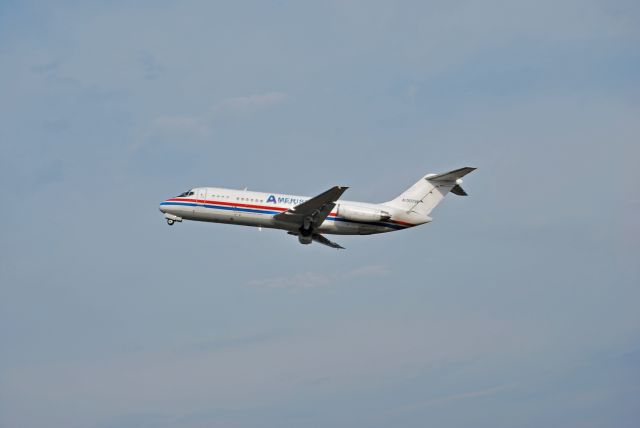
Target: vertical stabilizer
x,y
428,192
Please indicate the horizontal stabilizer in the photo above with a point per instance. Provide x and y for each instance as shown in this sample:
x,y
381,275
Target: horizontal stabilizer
x,y
451,175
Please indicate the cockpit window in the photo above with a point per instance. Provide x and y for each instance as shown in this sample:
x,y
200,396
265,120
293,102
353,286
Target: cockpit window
x,y
185,194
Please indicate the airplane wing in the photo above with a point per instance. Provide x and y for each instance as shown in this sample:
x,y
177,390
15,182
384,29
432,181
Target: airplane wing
x,y
311,213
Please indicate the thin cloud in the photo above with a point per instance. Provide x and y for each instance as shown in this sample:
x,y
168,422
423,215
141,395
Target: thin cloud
x,y
151,68
318,279
367,271
301,280
473,394
51,72
461,396
46,68
201,126
231,342
184,125
252,102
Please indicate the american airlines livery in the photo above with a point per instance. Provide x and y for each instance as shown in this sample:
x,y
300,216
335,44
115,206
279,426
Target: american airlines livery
x,y
308,218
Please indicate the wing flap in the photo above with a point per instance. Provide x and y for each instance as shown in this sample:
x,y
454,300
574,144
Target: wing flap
x,y
324,241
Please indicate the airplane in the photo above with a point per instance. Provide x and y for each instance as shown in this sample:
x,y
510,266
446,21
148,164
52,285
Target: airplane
x,y
310,218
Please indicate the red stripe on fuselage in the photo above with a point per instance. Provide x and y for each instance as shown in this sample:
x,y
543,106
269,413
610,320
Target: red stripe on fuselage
x,y
229,204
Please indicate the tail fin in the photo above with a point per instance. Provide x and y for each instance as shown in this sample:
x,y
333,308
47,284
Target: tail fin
x,y
428,192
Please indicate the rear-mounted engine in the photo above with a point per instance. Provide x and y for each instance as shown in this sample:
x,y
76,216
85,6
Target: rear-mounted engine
x,y
362,214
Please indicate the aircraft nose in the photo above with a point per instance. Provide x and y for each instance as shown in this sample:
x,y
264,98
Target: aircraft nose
x,y
162,208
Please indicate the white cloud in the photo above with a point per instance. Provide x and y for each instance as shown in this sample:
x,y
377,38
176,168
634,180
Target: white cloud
x,y
194,126
461,396
318,279
202,125
366,271
266,370
252,102
300,280
152,69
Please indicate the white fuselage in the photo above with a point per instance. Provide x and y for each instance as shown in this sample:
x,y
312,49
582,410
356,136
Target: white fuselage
x,y
257,209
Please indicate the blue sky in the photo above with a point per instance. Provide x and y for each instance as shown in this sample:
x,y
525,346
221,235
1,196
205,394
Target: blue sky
x,y
516,307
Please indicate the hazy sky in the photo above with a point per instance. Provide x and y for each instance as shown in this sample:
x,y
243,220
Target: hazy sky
x,y
516,307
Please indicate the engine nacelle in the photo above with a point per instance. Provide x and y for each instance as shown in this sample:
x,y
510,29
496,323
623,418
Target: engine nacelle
x,y
305,239
362,213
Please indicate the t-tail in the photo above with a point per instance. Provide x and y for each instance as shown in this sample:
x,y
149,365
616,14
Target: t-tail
x,y
428,192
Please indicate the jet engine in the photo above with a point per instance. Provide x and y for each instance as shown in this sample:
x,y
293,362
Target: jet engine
x,y
305,239
305,236
362,213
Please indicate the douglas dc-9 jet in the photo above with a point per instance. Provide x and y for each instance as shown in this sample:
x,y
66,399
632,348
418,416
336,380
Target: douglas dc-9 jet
x,y
310,218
